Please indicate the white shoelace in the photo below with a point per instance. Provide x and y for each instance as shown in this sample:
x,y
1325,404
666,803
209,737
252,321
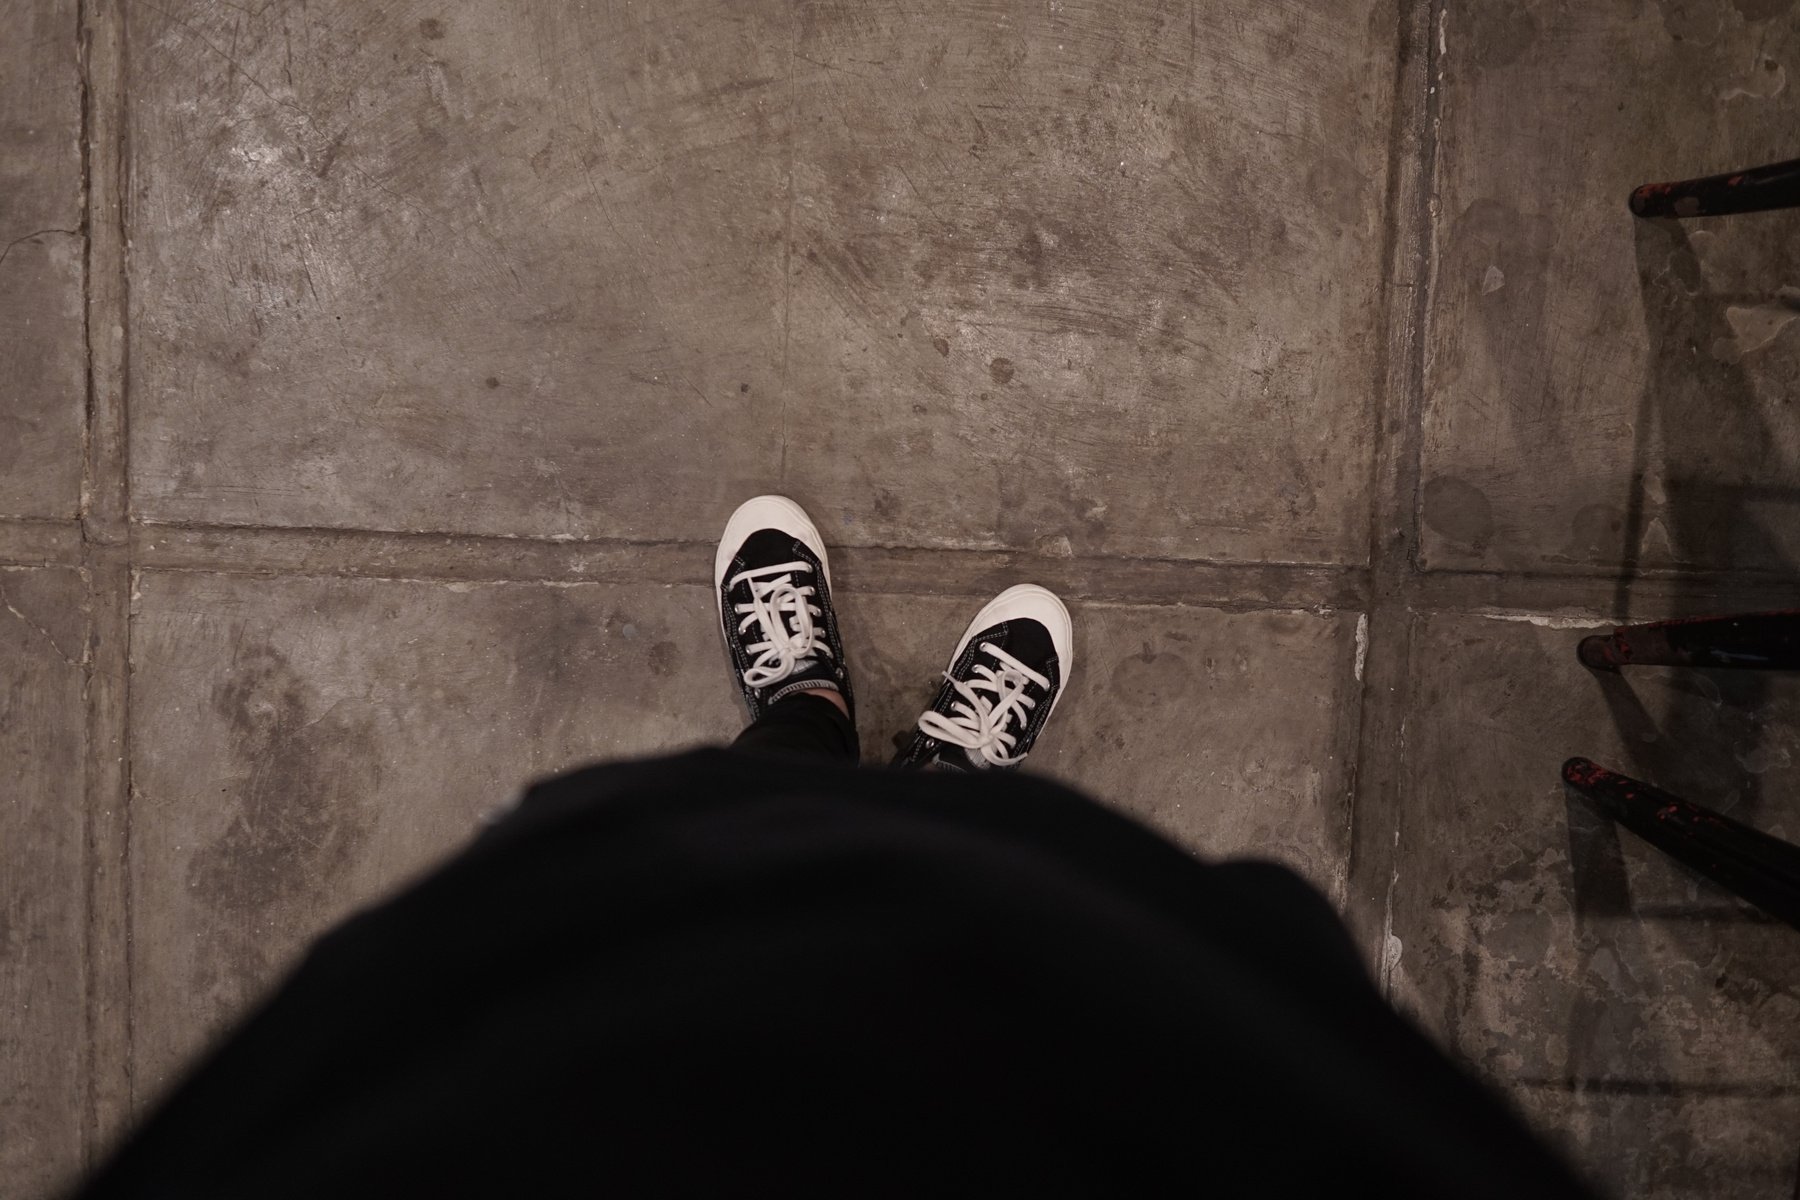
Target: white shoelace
x,y
785,614
979,724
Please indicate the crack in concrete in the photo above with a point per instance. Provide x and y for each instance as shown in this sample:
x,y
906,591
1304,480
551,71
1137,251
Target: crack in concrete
x,y
6,603
36,233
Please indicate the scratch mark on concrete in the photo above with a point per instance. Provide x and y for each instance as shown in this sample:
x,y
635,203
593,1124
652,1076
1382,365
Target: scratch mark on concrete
x,y
644,279
923,198
825,66
6,603
36,233
305,116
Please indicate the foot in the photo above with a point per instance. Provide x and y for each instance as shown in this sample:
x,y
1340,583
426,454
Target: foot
x,y
774,589
1002,685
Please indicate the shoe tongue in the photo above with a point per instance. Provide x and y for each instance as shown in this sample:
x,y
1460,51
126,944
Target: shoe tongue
x,y
768,548
1026,640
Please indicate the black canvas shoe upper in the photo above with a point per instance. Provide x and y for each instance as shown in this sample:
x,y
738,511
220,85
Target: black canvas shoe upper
x,y
1010,733
786,587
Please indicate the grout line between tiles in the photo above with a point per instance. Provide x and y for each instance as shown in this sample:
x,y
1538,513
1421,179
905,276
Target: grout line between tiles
x,y
1374,805
787,234
1569,596
101,540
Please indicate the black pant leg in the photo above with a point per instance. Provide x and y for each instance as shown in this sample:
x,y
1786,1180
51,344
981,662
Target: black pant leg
x,y
804,725
836,982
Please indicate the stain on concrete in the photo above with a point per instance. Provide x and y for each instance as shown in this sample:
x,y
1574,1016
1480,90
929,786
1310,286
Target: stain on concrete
x,y
1055,515
1495,247
1342,192
551,635
1762,10
1001,369
1695,21
664,658
1597,531
1151,676
309,774
1459,511
1033,252
941,345
1493,35
431,29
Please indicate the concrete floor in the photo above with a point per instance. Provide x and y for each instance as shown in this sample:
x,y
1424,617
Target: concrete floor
x,y
378,376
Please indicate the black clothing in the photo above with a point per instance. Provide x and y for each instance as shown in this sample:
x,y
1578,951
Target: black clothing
x,y
733,974
803,725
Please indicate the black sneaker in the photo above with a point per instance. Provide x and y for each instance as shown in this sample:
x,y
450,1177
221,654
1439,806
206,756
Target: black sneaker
x,y
774,588
1002,685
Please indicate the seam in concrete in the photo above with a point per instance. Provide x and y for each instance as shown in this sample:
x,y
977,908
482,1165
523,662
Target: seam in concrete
x,y
104,530
1597,596
787,235
1374,805
1606,1086
241,551
1235,586
89,1138
511,543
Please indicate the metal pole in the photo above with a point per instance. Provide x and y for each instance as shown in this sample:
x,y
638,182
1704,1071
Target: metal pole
x,y
1755,190
1762,869
1754,641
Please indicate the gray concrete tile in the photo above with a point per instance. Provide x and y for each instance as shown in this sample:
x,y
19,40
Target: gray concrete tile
x,y
353,224
43,742
1603,391
41,320
1228,732
1554,952
1089,277
302,745
495,270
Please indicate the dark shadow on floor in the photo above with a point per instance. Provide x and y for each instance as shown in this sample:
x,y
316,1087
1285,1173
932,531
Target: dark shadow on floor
x,y
1711,476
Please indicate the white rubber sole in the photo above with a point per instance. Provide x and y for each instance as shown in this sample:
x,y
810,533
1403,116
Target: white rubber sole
x,y
1040,604
764,512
